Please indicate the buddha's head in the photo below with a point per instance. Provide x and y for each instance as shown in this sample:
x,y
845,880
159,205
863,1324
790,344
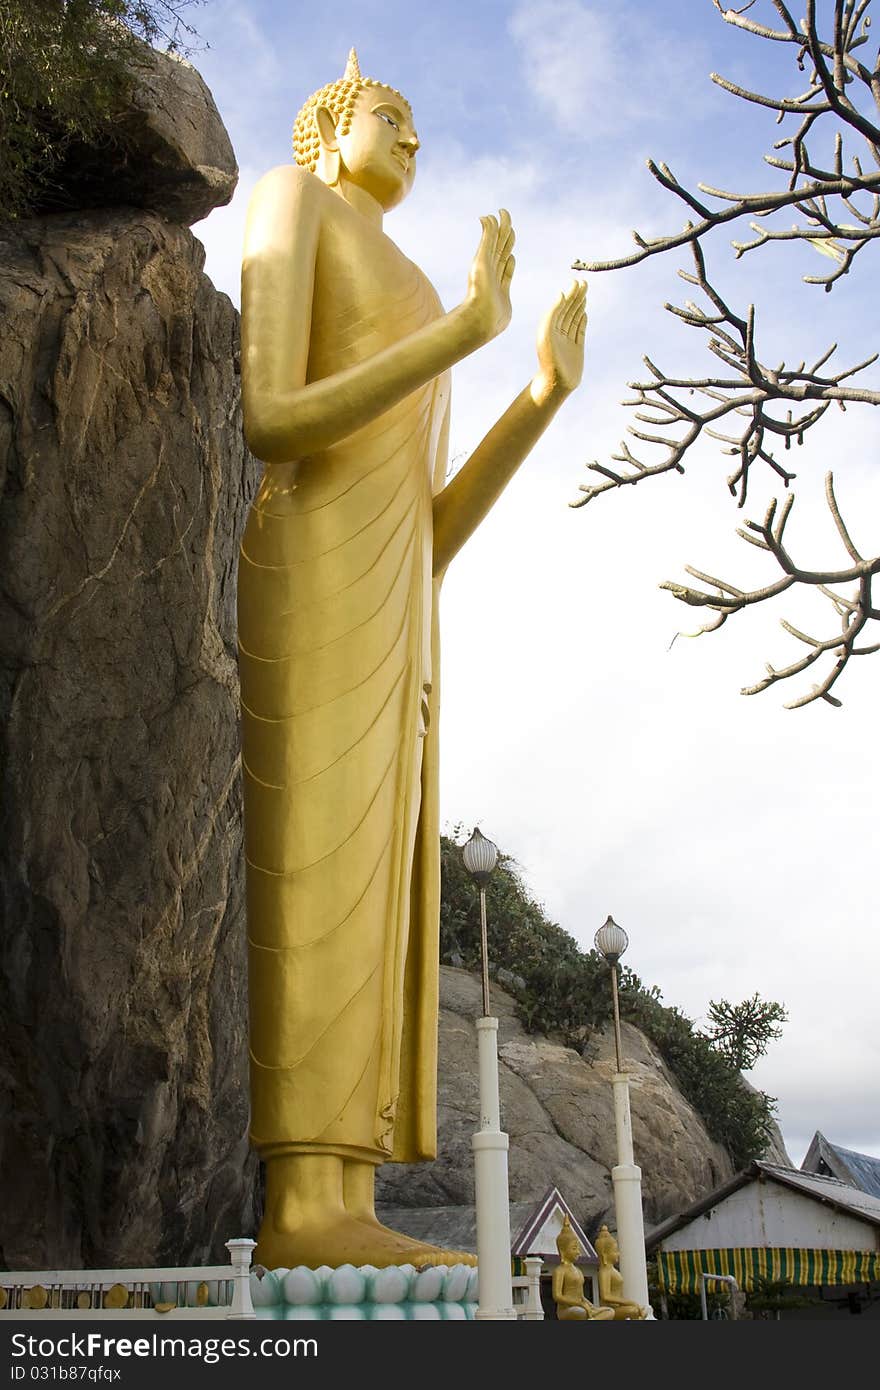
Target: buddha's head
x,y
567,1243
606,1247
358,131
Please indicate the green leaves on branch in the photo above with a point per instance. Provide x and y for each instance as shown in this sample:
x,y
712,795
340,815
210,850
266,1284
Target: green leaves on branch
x,y
735,1114
557,987
742,1032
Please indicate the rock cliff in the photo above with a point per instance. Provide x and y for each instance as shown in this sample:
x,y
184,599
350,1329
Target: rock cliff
x,y
123,1063
125,485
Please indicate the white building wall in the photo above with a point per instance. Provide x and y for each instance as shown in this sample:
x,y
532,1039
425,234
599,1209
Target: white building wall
x,y
769,1214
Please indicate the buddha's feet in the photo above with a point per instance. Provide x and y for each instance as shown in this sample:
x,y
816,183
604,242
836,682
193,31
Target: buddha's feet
x,y
346,1240
439,1255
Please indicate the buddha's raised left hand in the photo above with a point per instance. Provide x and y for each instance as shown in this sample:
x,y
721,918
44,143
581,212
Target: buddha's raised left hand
x,y
561,344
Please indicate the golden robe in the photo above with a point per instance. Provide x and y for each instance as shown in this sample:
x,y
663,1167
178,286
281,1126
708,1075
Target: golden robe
x,y
339,684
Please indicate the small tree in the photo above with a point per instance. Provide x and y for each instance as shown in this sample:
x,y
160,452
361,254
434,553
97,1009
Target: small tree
x,y
749,405
66,69
742,1032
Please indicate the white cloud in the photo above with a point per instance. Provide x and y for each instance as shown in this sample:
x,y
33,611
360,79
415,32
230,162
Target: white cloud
x,y
597,68
570,55
241,46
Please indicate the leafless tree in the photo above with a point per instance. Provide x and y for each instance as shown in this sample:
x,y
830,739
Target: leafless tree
x,y
759,406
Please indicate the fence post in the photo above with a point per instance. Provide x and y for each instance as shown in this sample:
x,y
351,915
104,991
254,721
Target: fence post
x,y
534,1308
240,1259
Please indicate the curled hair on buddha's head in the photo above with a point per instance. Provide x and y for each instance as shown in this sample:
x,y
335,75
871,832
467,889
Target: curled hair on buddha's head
x,y
567,1236
339,98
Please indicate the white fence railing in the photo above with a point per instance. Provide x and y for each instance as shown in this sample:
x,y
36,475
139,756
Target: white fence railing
x,y
204,1291
527,1291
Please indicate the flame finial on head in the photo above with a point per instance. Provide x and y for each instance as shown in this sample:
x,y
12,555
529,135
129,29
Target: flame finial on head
x,y
352,68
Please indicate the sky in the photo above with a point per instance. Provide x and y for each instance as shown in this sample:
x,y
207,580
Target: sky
x,y
734,840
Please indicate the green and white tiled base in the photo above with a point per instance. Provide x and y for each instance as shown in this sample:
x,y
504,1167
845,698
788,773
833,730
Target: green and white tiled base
x,y
399,1293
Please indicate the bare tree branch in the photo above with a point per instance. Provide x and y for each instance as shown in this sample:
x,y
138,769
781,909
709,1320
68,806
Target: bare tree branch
x,y
740,205
748,392
748,406
834,70
854,612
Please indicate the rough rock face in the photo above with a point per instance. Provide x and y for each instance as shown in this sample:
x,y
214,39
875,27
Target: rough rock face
x,y
123,1072
170,154
558,1111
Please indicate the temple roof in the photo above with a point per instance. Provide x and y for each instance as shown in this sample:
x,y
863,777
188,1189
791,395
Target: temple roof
x,y
828,1190
858,1170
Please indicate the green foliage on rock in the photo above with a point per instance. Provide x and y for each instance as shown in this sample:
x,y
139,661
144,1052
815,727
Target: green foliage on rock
x,y
564,991
66,69
735,1114
558,987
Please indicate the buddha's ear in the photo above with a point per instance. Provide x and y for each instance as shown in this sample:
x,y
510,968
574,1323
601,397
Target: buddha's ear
x,y
326,128
328,159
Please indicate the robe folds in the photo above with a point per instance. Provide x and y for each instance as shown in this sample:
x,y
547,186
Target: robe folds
x,y
338,652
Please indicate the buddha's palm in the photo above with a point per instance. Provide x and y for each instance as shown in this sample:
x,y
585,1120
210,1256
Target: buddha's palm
x,y
488,293
561,340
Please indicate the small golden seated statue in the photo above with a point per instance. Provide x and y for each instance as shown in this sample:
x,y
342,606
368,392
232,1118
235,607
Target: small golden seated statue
x,y
568,1282
611,1280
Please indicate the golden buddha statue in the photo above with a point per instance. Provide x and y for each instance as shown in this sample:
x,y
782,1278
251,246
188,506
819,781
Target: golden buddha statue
x,y
346,357
611,1280
568,1282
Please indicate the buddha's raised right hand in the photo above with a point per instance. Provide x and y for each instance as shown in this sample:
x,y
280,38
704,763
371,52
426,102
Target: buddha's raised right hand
x,y
487,302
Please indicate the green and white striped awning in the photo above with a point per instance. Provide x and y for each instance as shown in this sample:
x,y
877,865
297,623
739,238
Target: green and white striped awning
x,y
678,1271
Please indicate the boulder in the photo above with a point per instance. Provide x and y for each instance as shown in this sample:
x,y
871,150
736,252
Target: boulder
x,y
168,153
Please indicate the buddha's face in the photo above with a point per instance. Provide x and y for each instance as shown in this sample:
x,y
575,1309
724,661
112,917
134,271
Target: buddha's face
x,y
378,153
569,1248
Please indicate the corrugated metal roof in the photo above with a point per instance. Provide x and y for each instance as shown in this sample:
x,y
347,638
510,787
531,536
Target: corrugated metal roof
x,y
828,1189
864,1168
823,1189
857,1169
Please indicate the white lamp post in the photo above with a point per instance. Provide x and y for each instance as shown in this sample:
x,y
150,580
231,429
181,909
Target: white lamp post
x,y
611,941
490,1144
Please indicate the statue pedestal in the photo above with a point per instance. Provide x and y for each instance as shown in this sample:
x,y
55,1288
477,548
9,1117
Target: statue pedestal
x,y
400,1293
